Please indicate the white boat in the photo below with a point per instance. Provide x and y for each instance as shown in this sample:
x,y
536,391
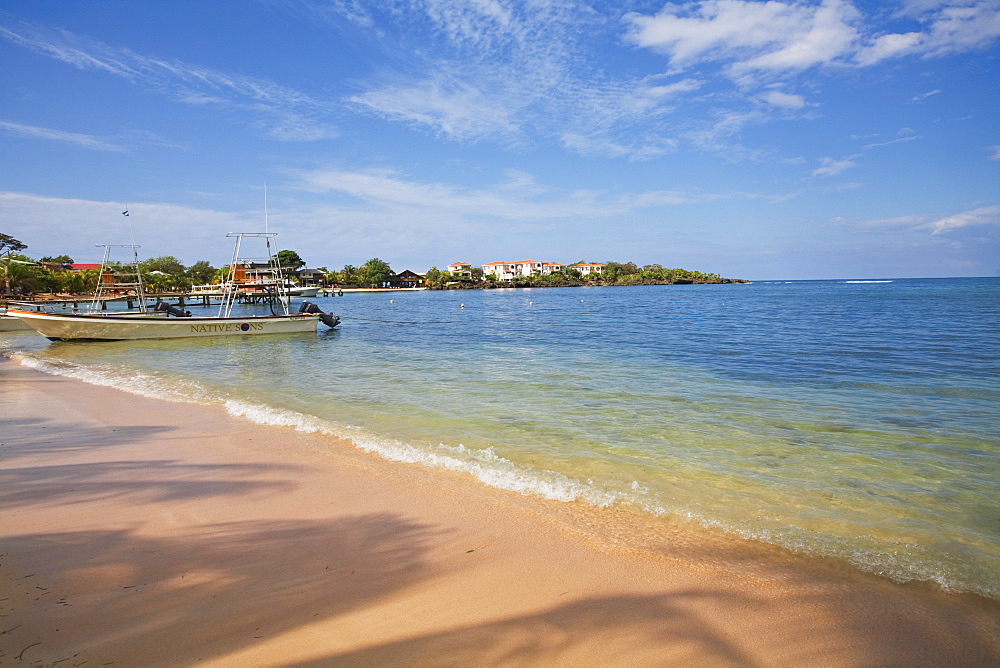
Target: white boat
x,y
303,291
125,327
169,322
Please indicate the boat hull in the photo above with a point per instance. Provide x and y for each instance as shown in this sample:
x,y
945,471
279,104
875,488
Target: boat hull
x,y
70,327
9,323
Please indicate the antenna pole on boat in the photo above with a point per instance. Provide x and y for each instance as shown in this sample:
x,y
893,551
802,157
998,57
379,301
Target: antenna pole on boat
x,y
265,206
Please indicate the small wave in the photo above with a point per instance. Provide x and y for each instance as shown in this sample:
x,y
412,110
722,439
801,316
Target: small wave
x,y
129,381
881,281
484,465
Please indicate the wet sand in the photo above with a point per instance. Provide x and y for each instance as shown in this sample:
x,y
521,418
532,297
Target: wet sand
x,y
141,532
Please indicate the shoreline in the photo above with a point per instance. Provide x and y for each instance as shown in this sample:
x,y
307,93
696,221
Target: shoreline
x,y
146,532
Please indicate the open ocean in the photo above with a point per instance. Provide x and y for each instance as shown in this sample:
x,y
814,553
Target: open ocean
x,y
850,419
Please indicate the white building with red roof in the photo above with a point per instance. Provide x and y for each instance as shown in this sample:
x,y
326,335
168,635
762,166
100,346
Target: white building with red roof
x,y
460,269
507,271
588,268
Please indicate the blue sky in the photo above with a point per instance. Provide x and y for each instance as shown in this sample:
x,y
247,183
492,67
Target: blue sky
x,y
756,140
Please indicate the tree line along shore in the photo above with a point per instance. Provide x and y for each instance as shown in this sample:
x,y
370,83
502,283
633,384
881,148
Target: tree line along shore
x,y
23,276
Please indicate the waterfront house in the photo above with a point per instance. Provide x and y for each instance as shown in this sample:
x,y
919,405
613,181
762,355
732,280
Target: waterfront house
x,y
460,269
408,279
311,277
588,268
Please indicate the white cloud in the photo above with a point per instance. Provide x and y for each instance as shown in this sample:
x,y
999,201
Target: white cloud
x,y
748,36
987,215
453,108
832,167
949,27
81,140
898,140
281,112
924,96
518,198
776,98
888,46
54,225
994,152
508,72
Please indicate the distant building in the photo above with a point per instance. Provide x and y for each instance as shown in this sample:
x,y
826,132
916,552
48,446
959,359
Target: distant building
x,y
408,279
588,268
507,271
310,277
460,269
80,267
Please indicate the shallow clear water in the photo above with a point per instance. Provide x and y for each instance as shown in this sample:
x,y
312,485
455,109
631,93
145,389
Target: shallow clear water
x,y
849,419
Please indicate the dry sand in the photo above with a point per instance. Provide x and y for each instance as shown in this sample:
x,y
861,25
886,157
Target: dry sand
x,y
140,532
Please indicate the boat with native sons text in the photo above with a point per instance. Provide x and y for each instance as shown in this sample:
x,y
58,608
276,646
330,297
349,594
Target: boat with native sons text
x,y
165,321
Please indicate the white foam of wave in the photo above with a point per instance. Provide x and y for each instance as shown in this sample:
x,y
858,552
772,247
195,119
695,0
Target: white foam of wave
x,y
867,281
129,381
483,465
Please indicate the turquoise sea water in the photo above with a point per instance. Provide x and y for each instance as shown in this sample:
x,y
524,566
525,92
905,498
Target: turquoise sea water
x,y
856,420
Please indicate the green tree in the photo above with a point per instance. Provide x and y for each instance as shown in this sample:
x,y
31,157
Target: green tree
x,y
73,282
289,258
201,272
64,260
376,272
19,273
9,244
168,264
221,274
433,277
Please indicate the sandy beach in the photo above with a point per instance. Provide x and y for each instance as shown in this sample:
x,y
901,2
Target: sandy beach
x,y
142,532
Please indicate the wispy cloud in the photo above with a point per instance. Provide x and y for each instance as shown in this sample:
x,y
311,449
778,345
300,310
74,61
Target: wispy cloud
x,y
987,215
280,112
983,216
76,138
516,198
924,96
994,152
513,72
903,136
776,98
832,167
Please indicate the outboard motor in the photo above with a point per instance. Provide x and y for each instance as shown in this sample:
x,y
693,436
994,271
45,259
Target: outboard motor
x,y
164,307
328,319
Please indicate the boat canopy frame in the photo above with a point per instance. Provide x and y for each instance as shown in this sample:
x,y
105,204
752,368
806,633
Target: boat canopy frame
x,y
245,276
119,277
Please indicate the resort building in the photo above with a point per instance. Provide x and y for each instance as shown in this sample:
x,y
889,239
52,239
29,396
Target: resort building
x,y
460,269
588,268
506,271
